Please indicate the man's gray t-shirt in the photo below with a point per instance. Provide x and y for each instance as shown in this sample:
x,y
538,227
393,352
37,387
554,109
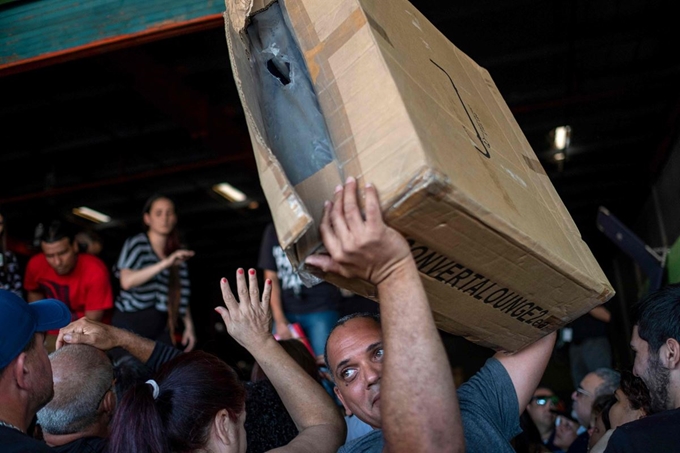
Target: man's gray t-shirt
x,y
489,409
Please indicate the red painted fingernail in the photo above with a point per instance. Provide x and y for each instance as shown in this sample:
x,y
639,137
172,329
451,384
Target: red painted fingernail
x,y
240,271
224,280
268,282
252,272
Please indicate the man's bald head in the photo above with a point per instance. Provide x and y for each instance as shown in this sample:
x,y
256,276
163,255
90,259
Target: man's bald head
x,y
82,376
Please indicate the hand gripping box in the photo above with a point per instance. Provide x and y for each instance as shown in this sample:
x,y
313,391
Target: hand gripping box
x,y
371,89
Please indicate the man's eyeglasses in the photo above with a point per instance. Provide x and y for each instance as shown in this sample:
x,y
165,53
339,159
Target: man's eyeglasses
x,y
543,400
581,392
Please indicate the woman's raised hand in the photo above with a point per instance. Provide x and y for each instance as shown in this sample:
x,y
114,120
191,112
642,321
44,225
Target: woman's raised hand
x,y
248,320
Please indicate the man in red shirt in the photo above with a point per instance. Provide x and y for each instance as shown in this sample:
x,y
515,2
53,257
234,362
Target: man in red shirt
x,y
81,281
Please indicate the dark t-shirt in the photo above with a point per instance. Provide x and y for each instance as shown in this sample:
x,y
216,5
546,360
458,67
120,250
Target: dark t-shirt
x,y
655,433
13,441
489,412
587,327
268,424
295,296
83,445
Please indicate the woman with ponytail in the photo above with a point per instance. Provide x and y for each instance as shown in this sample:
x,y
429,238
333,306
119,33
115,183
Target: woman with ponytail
x,y
197,403
154,278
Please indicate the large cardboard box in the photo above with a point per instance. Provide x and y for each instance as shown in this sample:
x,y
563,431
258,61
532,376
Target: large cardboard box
x,y
502,261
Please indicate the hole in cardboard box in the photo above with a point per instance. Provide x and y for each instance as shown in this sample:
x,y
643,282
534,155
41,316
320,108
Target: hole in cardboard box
x,y
280,71
294,126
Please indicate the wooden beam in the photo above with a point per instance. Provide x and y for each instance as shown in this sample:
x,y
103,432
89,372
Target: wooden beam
x,y
41,33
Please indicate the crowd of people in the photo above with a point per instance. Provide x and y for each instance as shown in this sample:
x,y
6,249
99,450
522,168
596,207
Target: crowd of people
x,y
391,377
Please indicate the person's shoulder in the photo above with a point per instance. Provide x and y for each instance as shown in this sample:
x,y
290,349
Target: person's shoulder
x,y
659,422
83,445
137,239
91,261
12,441
652,433
37,260
372,442
492,372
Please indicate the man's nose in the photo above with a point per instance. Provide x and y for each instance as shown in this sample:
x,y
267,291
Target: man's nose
x,y
372,375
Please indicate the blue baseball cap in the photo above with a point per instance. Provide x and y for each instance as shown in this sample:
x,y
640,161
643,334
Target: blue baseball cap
x,y
19,321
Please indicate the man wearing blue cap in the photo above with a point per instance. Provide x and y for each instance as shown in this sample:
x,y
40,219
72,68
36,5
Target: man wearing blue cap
x,y
25,372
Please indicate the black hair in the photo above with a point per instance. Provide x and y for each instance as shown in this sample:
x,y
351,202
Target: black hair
x,y
374,316
55,231
657,317
601,406
192,389
636,391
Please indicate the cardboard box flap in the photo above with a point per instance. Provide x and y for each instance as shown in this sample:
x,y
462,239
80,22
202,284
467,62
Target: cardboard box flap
x,y
240,11
291,217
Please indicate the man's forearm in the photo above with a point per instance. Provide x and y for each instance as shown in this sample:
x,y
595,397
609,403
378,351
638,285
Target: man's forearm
x,y
94,315
601,313
418,400
32,296
140,347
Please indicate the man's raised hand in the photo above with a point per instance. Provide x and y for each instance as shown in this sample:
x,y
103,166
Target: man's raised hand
x,y
85,331
366,249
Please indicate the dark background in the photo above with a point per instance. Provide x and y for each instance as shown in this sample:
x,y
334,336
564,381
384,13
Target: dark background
x,y
110,130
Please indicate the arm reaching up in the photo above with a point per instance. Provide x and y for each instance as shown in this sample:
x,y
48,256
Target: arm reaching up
x,y
321,427
418,403
527,366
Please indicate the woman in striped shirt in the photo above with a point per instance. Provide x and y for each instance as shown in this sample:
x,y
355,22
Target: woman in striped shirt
x,y
154,279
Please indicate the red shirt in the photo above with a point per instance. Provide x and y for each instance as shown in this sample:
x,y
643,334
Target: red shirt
x,y
86,288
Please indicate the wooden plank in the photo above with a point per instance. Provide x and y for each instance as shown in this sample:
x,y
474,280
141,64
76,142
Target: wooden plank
x,y
43,32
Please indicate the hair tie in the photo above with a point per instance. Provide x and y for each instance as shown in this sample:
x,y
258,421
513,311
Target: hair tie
x,y
156,388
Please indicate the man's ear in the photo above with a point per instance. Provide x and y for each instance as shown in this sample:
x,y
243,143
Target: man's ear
x,y
21,370
109,402
348,412
671,354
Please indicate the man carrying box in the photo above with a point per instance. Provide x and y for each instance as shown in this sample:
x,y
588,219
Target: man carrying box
x,y
395,375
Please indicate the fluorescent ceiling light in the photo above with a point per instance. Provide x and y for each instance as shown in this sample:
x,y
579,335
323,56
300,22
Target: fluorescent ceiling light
x,y
91,214
562,136
229,192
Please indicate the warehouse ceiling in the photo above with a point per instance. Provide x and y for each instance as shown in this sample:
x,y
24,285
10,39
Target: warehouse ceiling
x,y
108,131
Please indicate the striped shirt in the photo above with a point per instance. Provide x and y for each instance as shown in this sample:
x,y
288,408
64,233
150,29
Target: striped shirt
x,y
138,254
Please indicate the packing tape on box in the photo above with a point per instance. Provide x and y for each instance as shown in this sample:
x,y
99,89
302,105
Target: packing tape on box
x,y
317,51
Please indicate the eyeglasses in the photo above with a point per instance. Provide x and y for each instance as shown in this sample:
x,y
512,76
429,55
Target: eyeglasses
x,y
543,400
581,392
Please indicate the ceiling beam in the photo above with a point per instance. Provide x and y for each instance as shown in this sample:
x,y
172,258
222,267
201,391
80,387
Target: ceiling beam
x,y
208,163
